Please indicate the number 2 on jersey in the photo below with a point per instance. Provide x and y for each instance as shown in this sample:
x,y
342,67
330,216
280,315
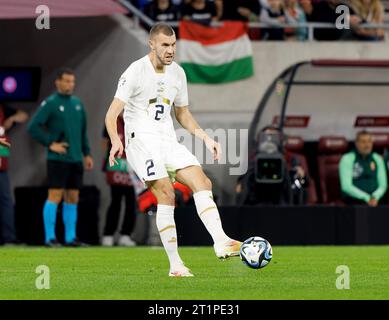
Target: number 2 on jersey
x,y
161,109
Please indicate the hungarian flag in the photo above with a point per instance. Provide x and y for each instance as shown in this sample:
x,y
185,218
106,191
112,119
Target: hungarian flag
x,y
215,54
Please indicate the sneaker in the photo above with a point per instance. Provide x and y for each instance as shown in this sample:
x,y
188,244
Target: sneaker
x,y
76,244
126,241
53,244
180,271
107,241
230,248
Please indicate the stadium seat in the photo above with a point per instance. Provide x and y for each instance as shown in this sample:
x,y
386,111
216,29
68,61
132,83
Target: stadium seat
x,y
294,145
331,149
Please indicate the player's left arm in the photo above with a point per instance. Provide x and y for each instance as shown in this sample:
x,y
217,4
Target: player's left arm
x,y
188,122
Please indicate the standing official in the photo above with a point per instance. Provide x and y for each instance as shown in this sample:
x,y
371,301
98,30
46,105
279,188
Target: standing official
x,y
60,125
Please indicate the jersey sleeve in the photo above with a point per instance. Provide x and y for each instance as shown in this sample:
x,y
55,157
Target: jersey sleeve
x,y
126,84
181,99
381,177
37,125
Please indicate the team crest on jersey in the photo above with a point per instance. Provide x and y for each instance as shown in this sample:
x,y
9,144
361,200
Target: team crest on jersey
x,y
372,166
161,87
122,81
61,108
78,107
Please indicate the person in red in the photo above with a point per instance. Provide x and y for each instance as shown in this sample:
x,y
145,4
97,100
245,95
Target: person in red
x,y
119,180
8,118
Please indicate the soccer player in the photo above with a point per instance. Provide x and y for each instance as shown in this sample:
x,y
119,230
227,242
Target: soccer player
x,y
60,125
147,91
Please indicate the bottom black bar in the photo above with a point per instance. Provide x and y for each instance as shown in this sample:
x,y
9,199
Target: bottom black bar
x,y
197,309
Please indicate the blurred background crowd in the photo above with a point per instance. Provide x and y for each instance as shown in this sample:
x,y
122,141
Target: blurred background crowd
x,y
275,13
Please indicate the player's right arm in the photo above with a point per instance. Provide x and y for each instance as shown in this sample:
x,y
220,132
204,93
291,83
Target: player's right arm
x,y
381,177
113,112
123,94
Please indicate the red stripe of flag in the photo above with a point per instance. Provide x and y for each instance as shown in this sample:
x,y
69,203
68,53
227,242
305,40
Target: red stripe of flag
x,y
228,31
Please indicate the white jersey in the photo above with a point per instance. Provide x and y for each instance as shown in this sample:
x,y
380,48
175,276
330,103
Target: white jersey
x,y
149,97
152,148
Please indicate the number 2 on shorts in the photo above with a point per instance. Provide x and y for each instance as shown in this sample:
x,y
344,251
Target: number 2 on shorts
x,y
150,165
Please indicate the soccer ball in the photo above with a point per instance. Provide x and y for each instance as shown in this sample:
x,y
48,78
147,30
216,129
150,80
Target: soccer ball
x,y
256,252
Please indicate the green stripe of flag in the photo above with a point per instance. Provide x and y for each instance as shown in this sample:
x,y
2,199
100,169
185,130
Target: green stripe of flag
x,y
236,70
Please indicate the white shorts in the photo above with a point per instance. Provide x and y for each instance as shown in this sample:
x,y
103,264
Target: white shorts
x,y
153,158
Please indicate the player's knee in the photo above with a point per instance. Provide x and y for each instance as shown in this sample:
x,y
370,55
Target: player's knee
x,y
55,196
201,184
207,183
167,195
71,197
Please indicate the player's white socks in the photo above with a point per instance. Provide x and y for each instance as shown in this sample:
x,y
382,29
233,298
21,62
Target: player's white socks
x,y
209,215
167,231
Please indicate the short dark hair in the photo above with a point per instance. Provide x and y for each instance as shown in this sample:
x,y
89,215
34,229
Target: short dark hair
x,y
163,28
362,133
62,71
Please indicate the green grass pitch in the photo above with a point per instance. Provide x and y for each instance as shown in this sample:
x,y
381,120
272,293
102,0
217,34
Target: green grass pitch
x,y
141,273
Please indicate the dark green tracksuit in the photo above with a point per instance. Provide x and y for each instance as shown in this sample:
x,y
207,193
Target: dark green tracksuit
x,y
363,177
61,118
